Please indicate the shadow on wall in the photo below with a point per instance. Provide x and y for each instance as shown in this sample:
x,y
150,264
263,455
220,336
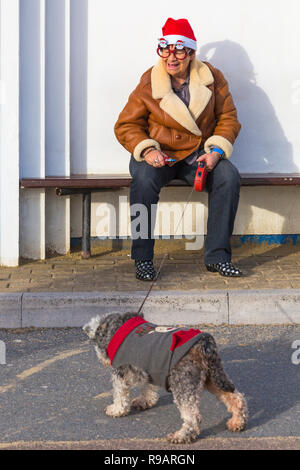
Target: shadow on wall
x,y
262,145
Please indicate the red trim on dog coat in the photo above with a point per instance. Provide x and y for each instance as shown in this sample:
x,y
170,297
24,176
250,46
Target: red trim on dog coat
x,y
121,334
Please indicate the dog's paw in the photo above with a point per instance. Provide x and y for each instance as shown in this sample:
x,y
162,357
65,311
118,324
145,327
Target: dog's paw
x,y
141,404
114,412
235,424
180,438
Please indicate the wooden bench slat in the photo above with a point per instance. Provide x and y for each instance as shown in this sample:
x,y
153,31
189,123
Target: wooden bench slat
x,y
122,181
270,179
75,182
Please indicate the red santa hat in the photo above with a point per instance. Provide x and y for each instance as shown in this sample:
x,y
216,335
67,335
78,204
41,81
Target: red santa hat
x,y
179,30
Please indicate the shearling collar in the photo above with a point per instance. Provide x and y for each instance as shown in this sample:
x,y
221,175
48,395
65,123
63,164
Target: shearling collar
x,y
200,78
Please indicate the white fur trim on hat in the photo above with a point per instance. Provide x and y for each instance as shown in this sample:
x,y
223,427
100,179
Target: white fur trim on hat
x,y
187,42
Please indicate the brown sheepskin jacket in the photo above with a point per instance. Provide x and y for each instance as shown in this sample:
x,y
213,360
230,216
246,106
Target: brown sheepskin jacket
x,y
155,116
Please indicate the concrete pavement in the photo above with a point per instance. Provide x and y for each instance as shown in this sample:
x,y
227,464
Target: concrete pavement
x,y
66,291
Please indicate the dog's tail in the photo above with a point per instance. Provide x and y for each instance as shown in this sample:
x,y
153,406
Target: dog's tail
x,y
216,371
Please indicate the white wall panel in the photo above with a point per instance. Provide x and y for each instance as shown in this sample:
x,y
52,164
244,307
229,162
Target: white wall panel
x,y
32,224
57,83
9,132
78,85
32,88
32,126
57,121
57,222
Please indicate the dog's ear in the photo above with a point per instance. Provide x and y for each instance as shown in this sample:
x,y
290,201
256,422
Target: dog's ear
x,y
128,315
88,330
91,327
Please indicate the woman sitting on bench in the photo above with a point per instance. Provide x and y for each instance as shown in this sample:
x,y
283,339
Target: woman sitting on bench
x,y
180,114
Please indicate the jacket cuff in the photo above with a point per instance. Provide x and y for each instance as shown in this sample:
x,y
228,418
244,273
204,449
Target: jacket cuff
x,y
221,142
142,146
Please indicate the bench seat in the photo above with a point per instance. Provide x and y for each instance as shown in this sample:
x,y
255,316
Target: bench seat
x,y
123,180
86,184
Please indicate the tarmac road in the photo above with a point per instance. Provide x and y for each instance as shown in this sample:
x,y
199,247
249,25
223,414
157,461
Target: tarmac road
x,y
53,392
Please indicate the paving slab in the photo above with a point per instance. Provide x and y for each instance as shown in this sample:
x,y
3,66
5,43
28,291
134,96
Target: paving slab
x,y
65,290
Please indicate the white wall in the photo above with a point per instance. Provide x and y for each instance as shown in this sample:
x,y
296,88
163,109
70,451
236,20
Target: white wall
x,y
108,45
9,132
254,42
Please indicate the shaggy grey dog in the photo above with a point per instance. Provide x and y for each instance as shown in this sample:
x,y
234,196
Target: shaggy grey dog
x,y
200,368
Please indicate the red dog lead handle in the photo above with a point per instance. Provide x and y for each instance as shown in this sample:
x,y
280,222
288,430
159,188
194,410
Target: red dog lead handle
x,y
200,177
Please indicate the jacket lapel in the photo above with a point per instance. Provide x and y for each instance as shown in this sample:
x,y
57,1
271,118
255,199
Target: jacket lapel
x,y
200,78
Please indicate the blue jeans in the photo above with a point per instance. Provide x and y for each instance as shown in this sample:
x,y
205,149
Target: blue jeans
x,y
223,187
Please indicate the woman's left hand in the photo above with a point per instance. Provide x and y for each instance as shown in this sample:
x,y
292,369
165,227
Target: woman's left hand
x,y
211,160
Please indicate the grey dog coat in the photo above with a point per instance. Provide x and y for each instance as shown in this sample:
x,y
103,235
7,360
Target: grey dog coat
x,y
152,348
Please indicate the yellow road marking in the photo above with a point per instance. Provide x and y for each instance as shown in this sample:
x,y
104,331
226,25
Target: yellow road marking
x,y
104,395
6,387
38,368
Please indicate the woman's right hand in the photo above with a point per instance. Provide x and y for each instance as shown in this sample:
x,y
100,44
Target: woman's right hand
x,y
155,158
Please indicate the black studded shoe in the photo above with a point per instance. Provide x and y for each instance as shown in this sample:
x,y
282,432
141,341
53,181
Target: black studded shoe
x,y
145,270
225,269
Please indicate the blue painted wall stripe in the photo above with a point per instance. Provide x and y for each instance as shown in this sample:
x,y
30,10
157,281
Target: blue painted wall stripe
x,y
237,240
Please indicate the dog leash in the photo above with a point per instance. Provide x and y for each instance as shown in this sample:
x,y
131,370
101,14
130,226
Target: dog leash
x,y
166,254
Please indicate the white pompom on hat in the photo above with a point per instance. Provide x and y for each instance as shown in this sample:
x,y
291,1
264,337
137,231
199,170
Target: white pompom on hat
x,y
179,30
